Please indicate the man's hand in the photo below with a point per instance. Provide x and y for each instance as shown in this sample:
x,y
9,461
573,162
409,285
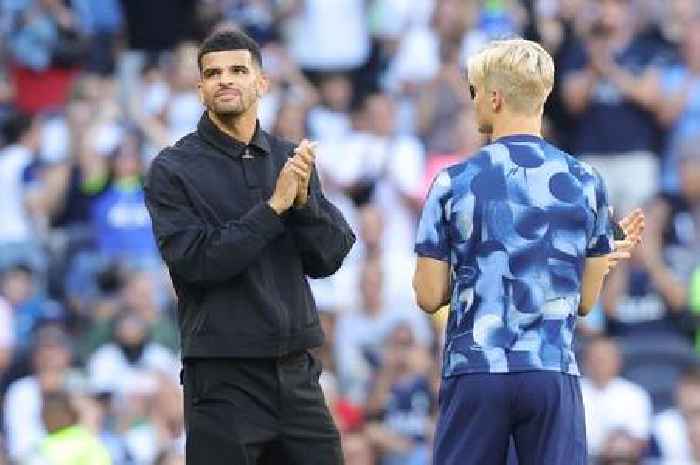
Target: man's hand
x,y
303,163
285,190
633,226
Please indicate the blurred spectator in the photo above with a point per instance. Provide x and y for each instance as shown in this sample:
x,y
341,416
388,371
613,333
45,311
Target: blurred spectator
x,y
152,28
67,442
653,292
162,427
360,334
139,295
417,60
169,106
22,404
384,168
466,141
331,118
676,431
286,84
47,43
103,21
120,219
30,307
289,123
612,404
440,103
679,109
402,400
314,24
17,241
131,354
609,85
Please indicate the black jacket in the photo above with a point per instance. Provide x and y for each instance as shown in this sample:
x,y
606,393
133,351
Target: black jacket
x,y
238,268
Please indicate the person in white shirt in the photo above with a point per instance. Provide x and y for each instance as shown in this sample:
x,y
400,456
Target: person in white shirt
x,y
116,365
612,403
361,332
330,35
24,427
674,429
21,136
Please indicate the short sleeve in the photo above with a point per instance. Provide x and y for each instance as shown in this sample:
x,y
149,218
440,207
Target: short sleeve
x,y
602,240
432,237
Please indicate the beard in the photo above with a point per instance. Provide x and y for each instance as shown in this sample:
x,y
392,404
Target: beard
x,y
231,108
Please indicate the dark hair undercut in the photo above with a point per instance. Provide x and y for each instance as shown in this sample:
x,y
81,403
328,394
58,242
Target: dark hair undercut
x,y
229,39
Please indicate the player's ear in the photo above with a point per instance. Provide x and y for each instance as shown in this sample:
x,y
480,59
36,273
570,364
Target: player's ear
x,y
496,100
200,91
262,85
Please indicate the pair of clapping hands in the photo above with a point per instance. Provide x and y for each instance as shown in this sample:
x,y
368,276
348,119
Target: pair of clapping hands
x,y
292,187
632,226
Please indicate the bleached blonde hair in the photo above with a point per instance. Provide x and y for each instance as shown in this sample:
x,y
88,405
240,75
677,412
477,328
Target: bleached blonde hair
x,y
521,69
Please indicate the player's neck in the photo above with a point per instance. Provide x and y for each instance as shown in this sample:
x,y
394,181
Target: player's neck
x,y
240,127
517,125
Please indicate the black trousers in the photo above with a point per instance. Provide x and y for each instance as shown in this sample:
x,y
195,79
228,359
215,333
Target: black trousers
x,y
258,412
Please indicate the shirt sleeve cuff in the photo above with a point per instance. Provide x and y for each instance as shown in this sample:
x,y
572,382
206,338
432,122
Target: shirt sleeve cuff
x,y
264,220
308,213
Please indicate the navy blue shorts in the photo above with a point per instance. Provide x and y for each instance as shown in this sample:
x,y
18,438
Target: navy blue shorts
x,y
540,411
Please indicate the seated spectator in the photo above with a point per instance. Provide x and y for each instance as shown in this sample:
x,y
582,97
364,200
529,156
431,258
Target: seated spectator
x,y
131,354
611,403
402,401
67,441
22,404
609,84
676,432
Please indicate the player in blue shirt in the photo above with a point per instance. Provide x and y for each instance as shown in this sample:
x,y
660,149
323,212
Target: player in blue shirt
x,y
518,239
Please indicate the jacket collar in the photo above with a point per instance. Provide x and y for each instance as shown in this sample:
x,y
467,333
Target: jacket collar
x,y
227,144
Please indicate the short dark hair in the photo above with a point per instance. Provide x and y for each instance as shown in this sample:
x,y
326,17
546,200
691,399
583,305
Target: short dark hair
x,y
229,39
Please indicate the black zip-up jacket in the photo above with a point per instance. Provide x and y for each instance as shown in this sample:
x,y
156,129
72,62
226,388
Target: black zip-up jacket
x,y
238,268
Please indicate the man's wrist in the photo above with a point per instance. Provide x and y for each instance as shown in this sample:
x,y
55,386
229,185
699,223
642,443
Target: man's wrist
x,y
275,206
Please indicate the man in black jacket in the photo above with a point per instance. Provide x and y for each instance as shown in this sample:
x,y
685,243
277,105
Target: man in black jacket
x,y
241,221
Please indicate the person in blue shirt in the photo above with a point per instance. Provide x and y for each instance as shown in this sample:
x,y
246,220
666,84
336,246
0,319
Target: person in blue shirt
x,y
518,240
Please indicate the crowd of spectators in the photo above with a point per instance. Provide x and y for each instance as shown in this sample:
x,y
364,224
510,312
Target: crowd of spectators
x,y
91,90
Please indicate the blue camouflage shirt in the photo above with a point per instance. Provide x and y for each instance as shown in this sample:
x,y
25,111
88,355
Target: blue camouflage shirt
x,y
515,223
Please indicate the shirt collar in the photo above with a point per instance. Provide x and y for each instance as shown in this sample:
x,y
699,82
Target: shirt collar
x,y
227,144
